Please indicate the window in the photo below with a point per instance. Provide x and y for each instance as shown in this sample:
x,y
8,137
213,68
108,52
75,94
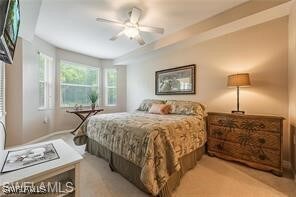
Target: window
x,y
77,82
110,87
46,81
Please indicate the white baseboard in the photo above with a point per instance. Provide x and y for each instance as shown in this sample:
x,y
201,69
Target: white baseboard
x,y
48,135
41,138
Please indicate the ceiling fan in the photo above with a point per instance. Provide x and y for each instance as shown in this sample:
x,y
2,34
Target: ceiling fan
x,y
131,27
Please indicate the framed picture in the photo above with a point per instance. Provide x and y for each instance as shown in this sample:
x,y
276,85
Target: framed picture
x,y
175,81
23,158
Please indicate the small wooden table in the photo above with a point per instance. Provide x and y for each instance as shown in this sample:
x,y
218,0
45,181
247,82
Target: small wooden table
x,y
79,113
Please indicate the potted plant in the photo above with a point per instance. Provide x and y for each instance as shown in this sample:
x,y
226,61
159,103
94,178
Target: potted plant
x,y
93,97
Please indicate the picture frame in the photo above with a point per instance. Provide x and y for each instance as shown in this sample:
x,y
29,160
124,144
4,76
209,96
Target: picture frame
x,y
27,157
176,81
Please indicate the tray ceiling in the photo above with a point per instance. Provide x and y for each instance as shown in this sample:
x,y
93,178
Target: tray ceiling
x,y
71,24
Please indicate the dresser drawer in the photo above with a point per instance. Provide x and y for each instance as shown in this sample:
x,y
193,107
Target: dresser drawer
x,y
247,153
258,138
247,123
250,139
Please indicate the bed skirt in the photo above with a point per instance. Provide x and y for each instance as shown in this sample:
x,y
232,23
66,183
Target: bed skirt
x,y
132,172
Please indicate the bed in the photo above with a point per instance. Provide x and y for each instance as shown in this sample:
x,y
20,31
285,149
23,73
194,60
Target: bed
x,y
152,151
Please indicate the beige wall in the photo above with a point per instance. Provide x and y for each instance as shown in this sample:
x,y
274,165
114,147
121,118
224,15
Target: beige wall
x,y
292,82
25,122
34,124
260,50
13,97
2,132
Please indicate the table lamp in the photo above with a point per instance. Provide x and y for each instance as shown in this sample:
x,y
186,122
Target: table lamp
x,y
238,80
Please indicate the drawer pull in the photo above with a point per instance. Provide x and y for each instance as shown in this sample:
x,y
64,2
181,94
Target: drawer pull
x,y
262,157
220,146
217,133
261,140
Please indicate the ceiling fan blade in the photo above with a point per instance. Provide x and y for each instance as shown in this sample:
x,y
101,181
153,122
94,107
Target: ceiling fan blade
x,y
151,29
117,36
140,40
135,15
109,21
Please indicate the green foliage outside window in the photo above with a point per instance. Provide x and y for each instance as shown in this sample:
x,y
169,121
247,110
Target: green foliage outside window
x,y
77,82
77,74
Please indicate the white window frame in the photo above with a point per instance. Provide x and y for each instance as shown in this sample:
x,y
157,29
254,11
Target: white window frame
x,y
48,82
106,87
82,65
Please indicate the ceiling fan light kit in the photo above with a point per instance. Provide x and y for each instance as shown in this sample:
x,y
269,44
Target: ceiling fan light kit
x,y
132,28
131,31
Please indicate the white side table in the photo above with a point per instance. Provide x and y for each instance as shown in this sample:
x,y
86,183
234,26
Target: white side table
x,y
59,170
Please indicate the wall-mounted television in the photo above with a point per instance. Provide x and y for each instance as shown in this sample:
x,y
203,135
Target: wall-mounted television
x,y
9,28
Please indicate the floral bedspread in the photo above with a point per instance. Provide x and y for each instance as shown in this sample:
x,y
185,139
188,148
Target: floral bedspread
x,y
153,142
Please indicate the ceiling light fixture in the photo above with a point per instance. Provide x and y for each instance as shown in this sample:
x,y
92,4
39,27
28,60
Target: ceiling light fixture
x,y
131,26
131,30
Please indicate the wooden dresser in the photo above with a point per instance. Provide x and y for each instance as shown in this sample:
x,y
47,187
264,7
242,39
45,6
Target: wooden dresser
x,y
253,140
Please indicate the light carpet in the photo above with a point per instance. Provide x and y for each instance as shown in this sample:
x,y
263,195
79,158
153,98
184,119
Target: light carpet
x,y
211,177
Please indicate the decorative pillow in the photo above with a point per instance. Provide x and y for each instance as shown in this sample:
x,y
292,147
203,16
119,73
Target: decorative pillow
x,y
147,104
160,109
186,107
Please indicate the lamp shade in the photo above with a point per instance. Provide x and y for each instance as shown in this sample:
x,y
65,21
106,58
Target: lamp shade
x,y
242,79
